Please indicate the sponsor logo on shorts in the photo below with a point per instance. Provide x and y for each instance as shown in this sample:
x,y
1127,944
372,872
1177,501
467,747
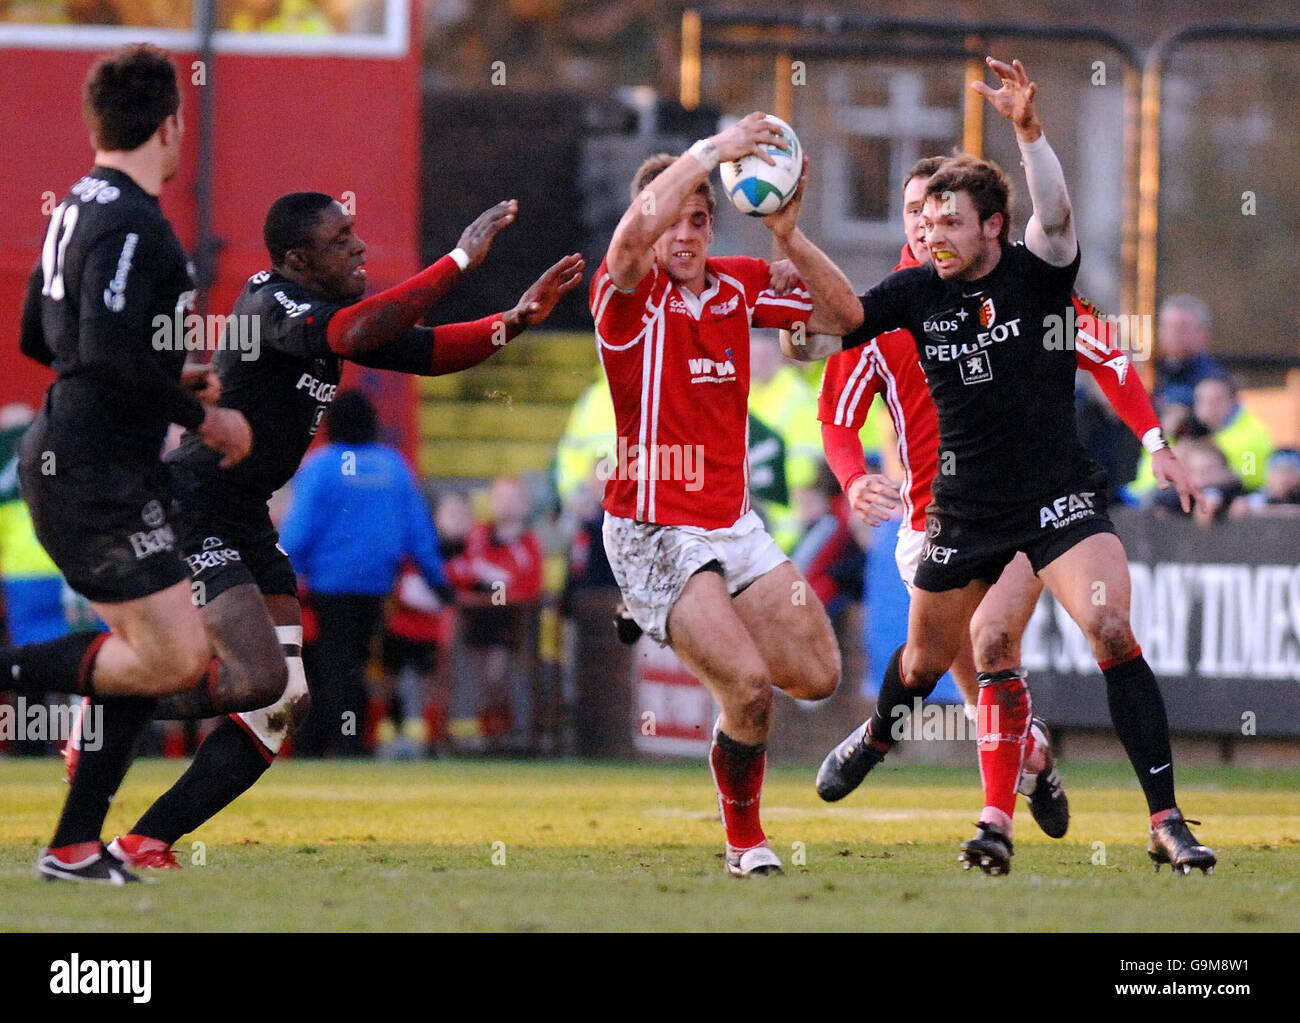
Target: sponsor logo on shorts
x,y
153,514
1068,509
937,553
154,541
211,557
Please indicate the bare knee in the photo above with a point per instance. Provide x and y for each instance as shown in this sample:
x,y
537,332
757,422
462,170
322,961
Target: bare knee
x,y
819,673
175,668
996,649
1110,635
749,705
921,669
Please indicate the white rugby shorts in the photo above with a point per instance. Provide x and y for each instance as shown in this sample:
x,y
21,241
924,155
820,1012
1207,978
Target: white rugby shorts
x,y
652,562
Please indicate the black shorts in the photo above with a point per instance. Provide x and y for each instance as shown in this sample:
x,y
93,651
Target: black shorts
x,y
109,526
958,551
228,543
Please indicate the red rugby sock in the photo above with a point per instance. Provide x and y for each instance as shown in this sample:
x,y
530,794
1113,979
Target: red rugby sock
x,y
738,774
1004,714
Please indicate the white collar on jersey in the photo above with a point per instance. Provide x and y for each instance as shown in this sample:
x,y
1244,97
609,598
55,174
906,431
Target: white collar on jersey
x,y
696,303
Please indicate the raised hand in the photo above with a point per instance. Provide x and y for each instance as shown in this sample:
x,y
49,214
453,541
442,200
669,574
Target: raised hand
x,y
1015,99
747,136
786,219
477,238
537,303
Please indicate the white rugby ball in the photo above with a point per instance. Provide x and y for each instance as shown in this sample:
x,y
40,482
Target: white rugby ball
x,y
757,188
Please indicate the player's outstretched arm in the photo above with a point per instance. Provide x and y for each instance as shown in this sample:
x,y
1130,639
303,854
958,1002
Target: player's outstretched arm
x,y
1050,231
455,346
630,256
836,309
380,319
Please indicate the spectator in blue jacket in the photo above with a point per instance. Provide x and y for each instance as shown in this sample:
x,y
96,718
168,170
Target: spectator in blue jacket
x,y
357,513
1183,356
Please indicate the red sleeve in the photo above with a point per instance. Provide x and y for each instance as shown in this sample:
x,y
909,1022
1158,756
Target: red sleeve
x,y
383,318
849,383
844,453
1097,351
620,316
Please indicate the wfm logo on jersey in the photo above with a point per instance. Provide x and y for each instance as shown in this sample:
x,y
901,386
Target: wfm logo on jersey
x,y
180,332
679,462
707,371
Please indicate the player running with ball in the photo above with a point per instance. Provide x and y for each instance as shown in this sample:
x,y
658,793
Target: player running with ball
x,y
1020,480
697,569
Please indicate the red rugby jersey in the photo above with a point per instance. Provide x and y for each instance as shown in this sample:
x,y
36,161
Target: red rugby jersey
x,y
678,371
888,365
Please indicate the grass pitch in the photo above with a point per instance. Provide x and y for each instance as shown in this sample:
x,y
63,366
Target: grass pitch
x,y
457,845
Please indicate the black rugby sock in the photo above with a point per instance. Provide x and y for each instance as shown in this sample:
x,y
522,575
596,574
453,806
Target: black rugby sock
x,y
62,665
226,765
894,695
1137,711
100,770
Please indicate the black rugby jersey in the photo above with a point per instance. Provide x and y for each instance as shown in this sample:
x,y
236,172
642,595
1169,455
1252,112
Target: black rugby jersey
x,y
111,272
999,358
276,367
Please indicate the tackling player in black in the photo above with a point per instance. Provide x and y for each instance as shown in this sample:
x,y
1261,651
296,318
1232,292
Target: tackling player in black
x,y
1013,475
312,317
99,497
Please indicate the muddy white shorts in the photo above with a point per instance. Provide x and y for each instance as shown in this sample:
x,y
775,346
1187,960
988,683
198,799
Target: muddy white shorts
x,y
652,563
907,553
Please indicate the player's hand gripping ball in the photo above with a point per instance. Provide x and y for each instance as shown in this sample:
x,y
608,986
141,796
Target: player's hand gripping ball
x,y
759,188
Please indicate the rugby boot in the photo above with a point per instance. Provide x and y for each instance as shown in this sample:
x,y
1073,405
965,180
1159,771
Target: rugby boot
x,y
1172,842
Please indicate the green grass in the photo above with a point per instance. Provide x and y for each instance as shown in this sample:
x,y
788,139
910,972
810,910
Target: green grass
x,y
361,846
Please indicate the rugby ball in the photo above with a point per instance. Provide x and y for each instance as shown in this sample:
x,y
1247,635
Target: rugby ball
x,y
757,188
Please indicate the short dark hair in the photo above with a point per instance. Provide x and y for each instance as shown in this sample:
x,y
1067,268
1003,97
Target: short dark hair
x,y
656,165
290,220
983,180
127,95
352,420
923,168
